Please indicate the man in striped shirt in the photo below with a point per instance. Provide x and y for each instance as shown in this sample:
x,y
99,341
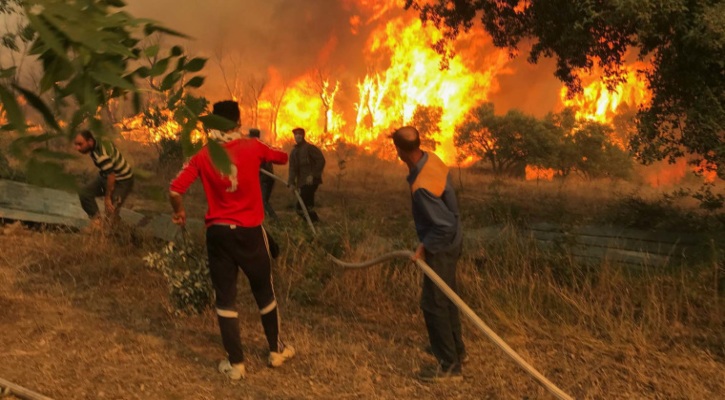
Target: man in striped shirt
x,y
114,181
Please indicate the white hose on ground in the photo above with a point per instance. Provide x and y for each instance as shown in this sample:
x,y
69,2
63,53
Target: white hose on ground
x,y
551,387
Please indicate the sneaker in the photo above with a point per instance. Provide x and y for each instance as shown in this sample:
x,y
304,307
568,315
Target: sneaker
x,y
234,372
276,359
438,374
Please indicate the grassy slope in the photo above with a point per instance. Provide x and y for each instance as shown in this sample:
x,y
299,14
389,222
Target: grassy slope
x,y
83,318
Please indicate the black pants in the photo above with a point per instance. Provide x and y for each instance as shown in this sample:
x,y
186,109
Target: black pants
x,y
441,315
307,192
230,248
97,188
267,186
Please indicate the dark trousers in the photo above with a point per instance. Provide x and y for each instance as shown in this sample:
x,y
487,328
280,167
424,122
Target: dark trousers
x,y
97,188
441,315
267,187
307,192
231,248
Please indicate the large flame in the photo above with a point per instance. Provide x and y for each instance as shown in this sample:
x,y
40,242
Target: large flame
x,y
597,103
404,73
410,76
140,128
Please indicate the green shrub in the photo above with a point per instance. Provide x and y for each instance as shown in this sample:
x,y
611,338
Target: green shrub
x,y
185,269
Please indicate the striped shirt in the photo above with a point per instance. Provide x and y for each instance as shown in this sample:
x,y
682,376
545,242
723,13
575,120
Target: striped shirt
x,y
109,160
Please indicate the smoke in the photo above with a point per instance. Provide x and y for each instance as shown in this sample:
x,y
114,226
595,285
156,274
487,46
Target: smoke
x,y
293,37
531,88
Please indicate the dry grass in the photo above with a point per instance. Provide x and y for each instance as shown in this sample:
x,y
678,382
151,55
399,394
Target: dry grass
x,y
83,318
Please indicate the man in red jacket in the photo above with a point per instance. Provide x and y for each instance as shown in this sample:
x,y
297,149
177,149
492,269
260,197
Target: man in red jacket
x,y
235,237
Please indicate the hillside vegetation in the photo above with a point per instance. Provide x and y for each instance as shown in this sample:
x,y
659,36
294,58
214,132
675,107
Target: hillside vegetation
x,y
83,317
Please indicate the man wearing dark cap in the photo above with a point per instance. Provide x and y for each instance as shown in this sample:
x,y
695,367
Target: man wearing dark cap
x,y
235,238
437,223
306,163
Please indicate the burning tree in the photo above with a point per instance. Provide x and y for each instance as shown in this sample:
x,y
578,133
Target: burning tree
x,y
253,95
683,42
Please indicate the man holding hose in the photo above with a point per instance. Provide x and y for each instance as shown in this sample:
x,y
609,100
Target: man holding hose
x,y
437,223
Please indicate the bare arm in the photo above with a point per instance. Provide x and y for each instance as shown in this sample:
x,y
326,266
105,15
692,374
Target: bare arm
x,y
110,187
179,216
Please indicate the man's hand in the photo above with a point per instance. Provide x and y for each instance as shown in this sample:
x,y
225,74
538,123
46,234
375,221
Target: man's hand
x,y
309,180
419,253
179,218
179,215
110,207
291,187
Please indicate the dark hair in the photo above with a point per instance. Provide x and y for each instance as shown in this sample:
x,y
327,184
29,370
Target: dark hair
x,y
254,132
298,131
87,135
406,138
228,109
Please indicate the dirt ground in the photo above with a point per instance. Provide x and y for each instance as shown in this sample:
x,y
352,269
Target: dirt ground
x,y
82,318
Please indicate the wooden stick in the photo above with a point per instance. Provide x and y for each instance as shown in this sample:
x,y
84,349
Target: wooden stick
x,y
21,392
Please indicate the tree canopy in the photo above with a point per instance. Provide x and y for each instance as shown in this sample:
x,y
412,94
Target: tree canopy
x,y
683,40
89,53
559,141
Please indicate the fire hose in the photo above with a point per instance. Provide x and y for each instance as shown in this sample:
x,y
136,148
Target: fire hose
x,y
428,271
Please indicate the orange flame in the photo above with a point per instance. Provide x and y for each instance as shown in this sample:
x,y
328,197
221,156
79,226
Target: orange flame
x,y
597,103
536,173
388,97
404,73
139,129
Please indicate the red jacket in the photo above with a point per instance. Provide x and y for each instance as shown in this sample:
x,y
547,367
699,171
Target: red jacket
x,y
235,199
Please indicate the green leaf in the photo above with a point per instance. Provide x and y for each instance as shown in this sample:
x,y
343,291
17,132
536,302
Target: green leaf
x,y
195,105
219,157
115,3
7,72
95,125
37,103
47,36
195,64
151,51
176,51
150,28
143,72
187,147
27,33
180,64
159,67
195,82
170,80
173,99
49,174
12,109
78,117
112,79
19,145
212,121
